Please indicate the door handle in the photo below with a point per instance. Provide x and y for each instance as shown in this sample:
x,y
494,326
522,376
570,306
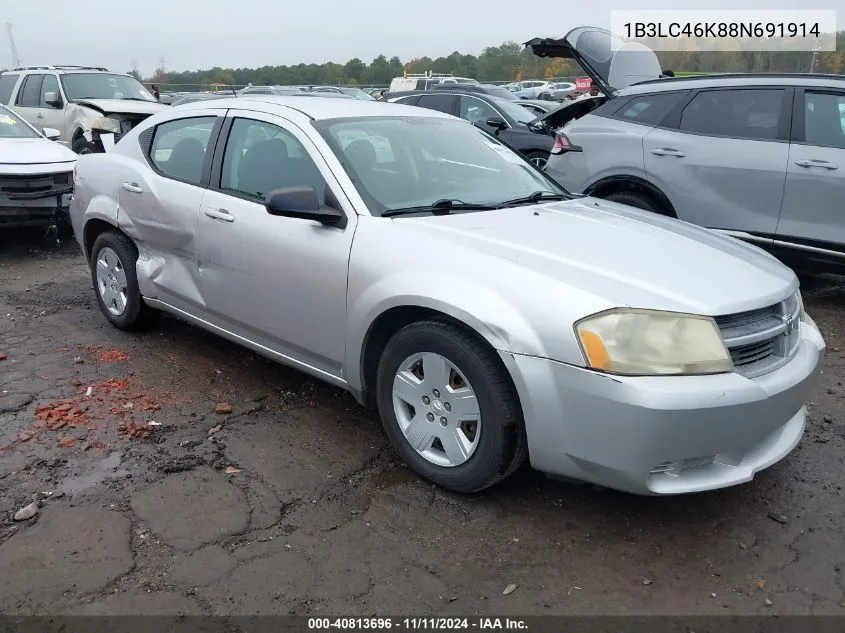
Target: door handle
x,y
39,116
131,187
813,162
667,151
219,214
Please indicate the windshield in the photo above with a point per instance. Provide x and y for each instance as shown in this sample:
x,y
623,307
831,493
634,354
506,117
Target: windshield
x,y
404,162
11,126
104,86
515,111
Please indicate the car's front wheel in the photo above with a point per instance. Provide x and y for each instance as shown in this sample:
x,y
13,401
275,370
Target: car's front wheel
x,y
115,280
449,407
82,146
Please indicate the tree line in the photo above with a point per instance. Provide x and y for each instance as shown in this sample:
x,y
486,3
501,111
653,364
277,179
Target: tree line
x,y
508,62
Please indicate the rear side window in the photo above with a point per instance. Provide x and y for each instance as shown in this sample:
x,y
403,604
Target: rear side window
x,y
649,109
179,147
7,85
443,103
748,114
411,100
30,92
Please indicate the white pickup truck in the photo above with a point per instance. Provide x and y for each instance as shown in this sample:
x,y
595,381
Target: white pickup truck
x,y
91,107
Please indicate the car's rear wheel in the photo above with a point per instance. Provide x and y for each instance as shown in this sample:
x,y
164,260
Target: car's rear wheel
x,y
538,159
449,408
115,280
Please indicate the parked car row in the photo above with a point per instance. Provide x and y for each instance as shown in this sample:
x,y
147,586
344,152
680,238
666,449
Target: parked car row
x,y
318,232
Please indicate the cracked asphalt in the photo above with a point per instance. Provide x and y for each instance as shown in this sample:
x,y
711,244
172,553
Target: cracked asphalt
x,y
150,502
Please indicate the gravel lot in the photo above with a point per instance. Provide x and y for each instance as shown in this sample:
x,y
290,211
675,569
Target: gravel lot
x,y
288,500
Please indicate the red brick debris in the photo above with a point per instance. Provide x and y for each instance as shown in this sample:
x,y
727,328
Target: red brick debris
x,y
223,408
2,356
112,356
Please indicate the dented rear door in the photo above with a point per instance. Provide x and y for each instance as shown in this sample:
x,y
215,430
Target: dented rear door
x,y
159,202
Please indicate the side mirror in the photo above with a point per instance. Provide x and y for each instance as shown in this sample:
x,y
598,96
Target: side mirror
x,y
165,99
302,203
52,133
52,99
497,124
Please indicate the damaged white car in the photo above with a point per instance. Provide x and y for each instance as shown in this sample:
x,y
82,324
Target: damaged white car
x,y
36,174
91,107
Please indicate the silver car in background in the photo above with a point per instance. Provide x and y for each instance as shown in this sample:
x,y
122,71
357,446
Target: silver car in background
x,y
413,259
757,156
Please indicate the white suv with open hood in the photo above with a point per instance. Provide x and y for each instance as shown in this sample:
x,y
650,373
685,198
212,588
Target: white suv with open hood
x,y
91,107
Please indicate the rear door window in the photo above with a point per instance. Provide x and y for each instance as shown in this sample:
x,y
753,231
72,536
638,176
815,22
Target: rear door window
x,y
30,92
443,103
745,113
179,147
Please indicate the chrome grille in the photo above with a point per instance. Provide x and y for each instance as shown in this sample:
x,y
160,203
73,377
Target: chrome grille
x,y
762,340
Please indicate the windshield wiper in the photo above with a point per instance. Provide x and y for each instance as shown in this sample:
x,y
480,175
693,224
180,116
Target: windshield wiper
x,y
440,207
534,198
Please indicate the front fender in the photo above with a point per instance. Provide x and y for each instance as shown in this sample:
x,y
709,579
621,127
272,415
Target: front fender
x,y
479,307
79,119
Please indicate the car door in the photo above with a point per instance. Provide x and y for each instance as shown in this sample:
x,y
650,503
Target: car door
x,y
720,157
812,212
159,198
27,101
51,114
279,282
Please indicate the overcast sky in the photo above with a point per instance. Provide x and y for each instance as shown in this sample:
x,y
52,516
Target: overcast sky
x,y
196,34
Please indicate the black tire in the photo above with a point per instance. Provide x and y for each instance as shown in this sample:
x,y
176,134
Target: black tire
x,y
634,199
536,157
502,444
82,146
136,313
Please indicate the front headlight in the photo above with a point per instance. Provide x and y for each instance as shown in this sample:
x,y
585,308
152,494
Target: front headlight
x,y
106,124
636,342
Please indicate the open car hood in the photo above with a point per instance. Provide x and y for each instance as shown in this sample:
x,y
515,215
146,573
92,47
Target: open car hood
x,y
611,62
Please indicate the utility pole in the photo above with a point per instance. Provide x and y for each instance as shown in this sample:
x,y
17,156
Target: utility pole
x,y
815,60
16,61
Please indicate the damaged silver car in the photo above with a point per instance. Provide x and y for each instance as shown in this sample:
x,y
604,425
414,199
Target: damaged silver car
x,y
91,107
417,261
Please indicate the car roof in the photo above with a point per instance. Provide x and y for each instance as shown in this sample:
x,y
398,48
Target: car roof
x,y
317,109
733,81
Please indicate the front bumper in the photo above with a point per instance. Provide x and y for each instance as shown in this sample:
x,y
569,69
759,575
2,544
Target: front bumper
x,y
663,435
34,196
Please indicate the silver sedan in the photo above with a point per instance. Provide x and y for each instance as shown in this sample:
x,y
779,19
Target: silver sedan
x,y
489,316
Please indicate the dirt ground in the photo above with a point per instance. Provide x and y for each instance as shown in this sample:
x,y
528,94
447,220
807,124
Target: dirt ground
x,y
151,502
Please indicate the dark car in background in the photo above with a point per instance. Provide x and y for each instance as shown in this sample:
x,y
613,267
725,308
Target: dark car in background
x,y
508,120
537,106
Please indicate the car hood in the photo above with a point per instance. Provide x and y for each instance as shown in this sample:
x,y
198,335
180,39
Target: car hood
x,y
33,151
611,62
122,106
622,255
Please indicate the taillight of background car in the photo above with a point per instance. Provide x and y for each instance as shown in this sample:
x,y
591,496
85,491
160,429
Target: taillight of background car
x,y
563,144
